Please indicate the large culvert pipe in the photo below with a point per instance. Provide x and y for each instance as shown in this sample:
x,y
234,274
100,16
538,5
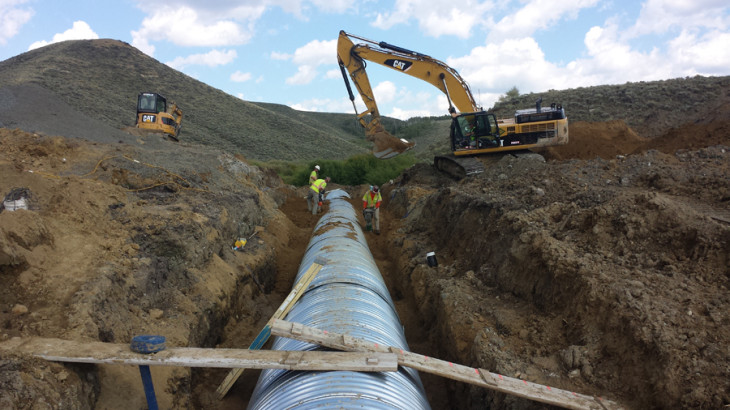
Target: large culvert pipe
x,y
347,296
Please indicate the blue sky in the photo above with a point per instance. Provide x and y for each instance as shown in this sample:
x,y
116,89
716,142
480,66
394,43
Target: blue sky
x,y
284,51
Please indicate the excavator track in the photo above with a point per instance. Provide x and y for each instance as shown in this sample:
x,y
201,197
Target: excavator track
x,y
458,167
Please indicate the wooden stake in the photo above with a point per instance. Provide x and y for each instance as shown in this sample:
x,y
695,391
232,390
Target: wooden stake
x,y
479,377
265,333
58,350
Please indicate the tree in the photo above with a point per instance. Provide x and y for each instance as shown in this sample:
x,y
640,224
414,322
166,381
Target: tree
x,y
510,94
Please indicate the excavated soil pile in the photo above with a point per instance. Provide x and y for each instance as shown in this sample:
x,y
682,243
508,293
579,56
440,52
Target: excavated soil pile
x,y
605,276
604,270
120,240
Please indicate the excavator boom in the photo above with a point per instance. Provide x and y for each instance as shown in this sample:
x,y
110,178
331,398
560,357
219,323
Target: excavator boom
x,y
353,64
408,62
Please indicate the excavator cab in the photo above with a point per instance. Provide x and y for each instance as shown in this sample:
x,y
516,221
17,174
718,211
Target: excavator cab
x,y
151,103
473,131
153,115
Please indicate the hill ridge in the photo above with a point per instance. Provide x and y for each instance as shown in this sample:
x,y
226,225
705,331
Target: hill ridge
x,y
79,72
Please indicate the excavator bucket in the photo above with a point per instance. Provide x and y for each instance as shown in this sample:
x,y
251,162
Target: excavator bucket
x,y
387,146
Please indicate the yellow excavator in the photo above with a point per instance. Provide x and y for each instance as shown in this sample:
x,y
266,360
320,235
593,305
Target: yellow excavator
x,y
154,115
474,131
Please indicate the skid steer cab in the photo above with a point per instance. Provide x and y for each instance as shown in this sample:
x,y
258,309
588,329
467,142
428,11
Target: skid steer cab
x,y
154,115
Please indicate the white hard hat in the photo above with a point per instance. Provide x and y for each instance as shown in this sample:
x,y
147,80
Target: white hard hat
x,y
316,167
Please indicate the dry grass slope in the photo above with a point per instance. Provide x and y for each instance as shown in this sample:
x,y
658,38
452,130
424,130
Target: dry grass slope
x,y
102,78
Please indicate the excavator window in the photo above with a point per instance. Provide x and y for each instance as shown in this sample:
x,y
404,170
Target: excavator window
x,y
151,102
486,125
147,103
477,130
161,104
465,128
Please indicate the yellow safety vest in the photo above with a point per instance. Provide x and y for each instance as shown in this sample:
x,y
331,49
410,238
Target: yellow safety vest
x,y
370,200
312,177
318,185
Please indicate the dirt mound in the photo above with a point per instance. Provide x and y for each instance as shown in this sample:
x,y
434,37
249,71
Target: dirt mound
x,y
590,140
46,384
713,130
119,242
608,140
597,276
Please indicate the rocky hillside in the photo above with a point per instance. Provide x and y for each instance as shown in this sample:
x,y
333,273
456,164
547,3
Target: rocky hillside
x,y
101,80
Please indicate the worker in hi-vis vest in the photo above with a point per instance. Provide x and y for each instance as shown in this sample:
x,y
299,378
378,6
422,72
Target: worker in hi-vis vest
x,y
314,175
371,204
316,191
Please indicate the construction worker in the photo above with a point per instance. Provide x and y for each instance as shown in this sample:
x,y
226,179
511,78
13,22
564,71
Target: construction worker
x,y
314,175
371,203
316,192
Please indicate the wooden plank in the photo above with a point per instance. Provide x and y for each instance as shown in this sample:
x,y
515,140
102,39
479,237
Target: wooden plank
x,y
110,353
471,375
296,292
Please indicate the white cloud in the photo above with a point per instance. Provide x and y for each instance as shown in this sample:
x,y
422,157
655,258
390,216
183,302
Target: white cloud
x,y
384,92
316,53
324,105
12,18
334,6
536,15
706,55
216,23
612,61
240,77
186,26
275,55
213,58
521,62
391,100
697,48
309,57
305,74
456,22
79,31
659,16
336,73
436,18
427,104
406,114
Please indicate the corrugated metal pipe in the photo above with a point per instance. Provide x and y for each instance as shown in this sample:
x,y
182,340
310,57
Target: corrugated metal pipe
x,y
347,296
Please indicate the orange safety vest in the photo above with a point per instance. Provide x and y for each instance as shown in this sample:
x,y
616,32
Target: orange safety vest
x,y
318,185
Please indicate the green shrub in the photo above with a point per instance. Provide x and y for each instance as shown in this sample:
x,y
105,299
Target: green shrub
x,y
356,170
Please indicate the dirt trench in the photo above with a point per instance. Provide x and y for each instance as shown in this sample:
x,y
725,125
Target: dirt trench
x,y
300,223
603,275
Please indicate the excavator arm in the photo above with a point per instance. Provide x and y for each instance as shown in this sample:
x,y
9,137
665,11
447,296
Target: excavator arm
x,y
352,60
177,116
352,57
